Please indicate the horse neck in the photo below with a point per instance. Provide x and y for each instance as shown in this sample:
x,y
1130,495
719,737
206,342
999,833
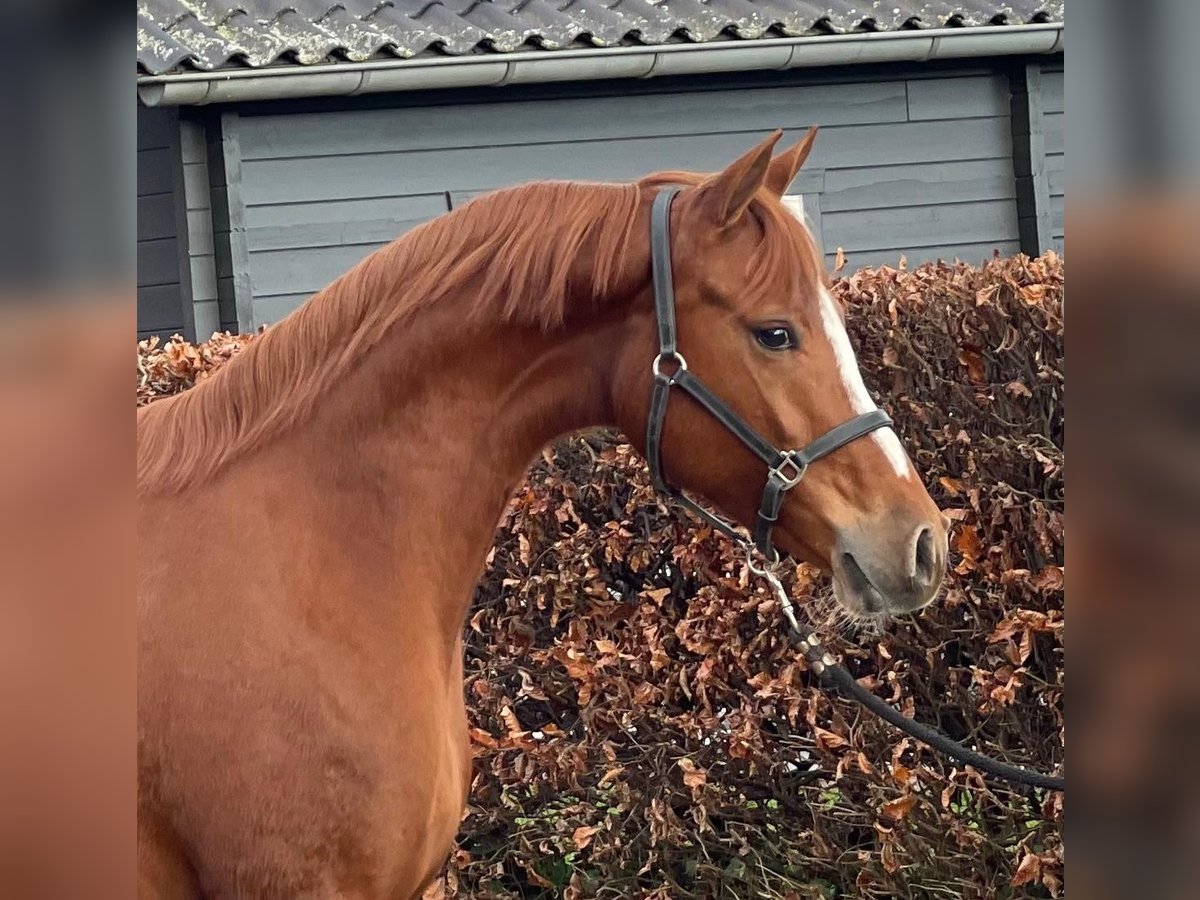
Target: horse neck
x,y
423,443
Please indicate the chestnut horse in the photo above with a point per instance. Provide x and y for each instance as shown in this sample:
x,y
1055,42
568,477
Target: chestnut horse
x,y
314,517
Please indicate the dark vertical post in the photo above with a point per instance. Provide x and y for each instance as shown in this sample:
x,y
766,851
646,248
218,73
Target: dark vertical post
x,y
1029,159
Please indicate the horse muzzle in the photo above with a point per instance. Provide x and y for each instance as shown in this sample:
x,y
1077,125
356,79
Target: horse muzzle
x,y
891,567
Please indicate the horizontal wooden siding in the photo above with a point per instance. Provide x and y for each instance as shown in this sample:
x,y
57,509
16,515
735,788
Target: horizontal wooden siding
x,y
1053,82
915,167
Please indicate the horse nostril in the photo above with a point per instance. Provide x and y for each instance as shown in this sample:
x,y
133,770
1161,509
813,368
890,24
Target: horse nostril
x,y
925,558
860,584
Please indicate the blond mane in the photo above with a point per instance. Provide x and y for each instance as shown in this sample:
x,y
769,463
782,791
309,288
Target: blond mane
x,y
526,239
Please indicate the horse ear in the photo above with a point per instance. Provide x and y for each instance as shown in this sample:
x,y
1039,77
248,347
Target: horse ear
x,y
786,165
726,195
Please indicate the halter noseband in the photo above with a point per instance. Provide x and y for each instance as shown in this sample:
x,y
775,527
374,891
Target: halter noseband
x,y
785,468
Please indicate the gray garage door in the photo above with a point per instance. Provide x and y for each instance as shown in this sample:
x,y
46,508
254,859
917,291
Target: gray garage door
x,y
919,167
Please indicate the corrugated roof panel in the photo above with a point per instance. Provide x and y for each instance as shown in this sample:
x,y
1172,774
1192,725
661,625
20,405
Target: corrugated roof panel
x,y
360,38
605,27
208,47
505,32
261,46
699,21
794,18
452,33
749,19
210,34
553,29
647,22
157,50
310,42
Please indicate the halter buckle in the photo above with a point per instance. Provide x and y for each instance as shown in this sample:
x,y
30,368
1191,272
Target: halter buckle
x,y
790,470
674,356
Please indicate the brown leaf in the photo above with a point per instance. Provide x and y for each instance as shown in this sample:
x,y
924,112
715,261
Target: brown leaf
x,y
948,794
897,809
827,740
888,857
511,722
657,595
483,738
693,775
1033,294
1029,870
582,836
967,542
476,619
534,877
1025,647
577,665
1014,654
973,363
1051,578
953,486
986,296
644,694
864,764
611,775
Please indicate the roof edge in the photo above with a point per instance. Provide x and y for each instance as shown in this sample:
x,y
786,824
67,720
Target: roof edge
x,y
589,64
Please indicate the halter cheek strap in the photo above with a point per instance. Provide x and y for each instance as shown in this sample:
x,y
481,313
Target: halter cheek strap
x,y
785,468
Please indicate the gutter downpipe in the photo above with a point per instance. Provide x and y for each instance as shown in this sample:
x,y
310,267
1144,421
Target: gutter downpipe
x,y
531,67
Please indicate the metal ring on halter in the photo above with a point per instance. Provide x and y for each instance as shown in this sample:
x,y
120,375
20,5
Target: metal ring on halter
x,y
789,477
674,356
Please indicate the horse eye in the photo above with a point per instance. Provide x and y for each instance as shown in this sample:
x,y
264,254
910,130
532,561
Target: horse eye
x,y
776,337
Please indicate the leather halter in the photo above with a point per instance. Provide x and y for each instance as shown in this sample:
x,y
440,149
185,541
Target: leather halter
x,y
785,468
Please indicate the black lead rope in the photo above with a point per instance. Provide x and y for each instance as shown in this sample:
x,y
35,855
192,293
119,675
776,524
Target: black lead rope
x,y
785,470
837,677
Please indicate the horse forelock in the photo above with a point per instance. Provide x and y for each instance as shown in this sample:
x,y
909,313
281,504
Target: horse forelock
x,y
786,256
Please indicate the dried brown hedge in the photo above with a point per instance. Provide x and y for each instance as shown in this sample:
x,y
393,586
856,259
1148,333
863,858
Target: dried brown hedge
x,y
642,728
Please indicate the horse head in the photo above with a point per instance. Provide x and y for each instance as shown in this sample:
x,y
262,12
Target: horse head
x,y
757,324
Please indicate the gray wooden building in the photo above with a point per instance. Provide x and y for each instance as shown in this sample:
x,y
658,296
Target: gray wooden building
x,y
280,142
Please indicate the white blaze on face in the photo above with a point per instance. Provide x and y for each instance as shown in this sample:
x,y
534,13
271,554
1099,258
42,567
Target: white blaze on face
x,y
847,365
851,377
